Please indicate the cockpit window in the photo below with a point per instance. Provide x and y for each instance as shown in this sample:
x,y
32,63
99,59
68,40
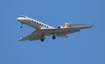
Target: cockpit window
x,y
23,16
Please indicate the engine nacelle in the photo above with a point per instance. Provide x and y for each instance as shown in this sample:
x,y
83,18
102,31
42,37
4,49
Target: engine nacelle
x,y
60,27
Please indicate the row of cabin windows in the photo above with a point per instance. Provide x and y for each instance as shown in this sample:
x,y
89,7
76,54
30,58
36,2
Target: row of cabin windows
x,y
39,23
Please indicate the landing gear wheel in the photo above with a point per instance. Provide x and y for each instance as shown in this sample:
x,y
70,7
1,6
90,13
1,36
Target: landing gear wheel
x,y
54,37
21,26
42,39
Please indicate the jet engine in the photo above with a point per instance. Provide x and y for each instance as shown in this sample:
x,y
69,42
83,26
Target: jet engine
x,y
60,27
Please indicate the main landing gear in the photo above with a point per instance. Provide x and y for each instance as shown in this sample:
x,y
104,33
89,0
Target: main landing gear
x,y
53,37
43,38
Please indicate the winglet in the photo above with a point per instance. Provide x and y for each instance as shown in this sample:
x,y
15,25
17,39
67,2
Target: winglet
x,y
20,39
93,24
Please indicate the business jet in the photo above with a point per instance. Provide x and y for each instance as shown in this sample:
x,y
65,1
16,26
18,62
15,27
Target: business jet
x,y
42,29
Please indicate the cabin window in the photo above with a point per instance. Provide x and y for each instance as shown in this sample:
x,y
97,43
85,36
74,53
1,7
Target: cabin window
x,y
44,25
34,21
39,23
47,26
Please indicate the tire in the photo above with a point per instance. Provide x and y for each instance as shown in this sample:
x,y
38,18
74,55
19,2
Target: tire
x,y
21,27
42,39
54,37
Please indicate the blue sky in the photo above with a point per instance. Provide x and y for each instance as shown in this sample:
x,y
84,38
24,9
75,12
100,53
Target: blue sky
x,y
85,47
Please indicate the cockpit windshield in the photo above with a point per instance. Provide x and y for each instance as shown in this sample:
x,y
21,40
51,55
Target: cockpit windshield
x,y
23,16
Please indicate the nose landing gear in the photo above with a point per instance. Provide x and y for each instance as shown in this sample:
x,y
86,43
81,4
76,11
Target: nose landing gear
x,y
21,26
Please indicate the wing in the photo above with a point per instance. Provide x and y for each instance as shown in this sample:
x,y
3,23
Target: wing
x,y
58,31
63,30
84,27
72,29
33,36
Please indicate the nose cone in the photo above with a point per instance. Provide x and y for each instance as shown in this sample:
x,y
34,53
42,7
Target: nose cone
x,y
18,19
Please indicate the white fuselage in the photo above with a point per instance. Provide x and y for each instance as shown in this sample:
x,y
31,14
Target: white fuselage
x,y
34,23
